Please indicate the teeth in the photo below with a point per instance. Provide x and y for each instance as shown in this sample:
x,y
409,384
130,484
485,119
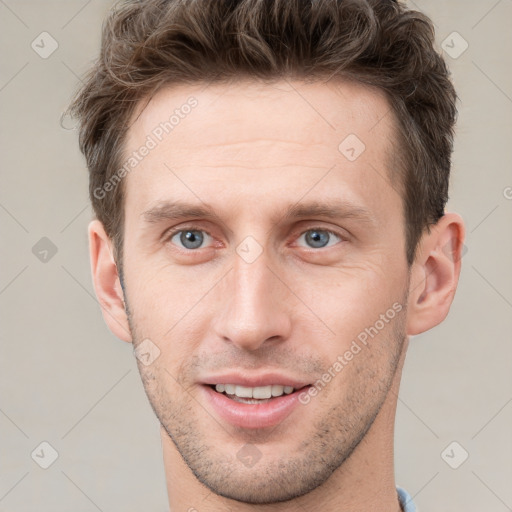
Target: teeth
x,y
229,388
277,390
262,392
259,392
243,392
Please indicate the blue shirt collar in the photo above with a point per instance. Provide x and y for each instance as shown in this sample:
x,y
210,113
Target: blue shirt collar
x,y
405,500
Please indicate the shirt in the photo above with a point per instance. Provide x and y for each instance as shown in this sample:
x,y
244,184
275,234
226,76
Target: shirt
x,y
405,500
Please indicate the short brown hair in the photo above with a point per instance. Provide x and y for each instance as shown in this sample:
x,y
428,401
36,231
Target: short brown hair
x,y
148,44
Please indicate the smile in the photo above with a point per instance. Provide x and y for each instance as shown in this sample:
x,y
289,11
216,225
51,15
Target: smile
x,y
252,407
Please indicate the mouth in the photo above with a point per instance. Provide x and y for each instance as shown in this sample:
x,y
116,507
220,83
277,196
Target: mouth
x,y
253,407
253,395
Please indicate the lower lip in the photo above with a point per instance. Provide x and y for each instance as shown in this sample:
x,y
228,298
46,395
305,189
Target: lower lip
x,y
266,414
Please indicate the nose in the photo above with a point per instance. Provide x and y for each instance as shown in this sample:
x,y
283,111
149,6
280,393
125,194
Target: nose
x,y
253,306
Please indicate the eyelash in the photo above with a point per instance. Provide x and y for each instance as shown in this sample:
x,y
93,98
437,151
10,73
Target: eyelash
x,y
170,234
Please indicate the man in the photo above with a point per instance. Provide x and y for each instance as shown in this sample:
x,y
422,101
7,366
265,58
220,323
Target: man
x,y
269,182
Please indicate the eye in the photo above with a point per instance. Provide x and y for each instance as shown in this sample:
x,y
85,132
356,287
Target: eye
x,y
190,239
319,238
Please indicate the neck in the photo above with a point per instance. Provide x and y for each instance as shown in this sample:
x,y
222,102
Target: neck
x,y
364,482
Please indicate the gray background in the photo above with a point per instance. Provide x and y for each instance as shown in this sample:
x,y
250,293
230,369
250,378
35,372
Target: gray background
x,y
67,381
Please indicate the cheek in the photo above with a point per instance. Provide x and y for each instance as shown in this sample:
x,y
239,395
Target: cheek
x,y
159,295
172,311
348,300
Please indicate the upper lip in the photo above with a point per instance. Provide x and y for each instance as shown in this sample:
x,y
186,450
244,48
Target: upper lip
x,y
252,381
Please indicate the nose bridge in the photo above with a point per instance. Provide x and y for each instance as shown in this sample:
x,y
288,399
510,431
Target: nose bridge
x,y
254,310
252,284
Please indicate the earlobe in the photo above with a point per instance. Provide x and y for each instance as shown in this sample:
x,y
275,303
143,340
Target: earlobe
x,y
106,281
435,274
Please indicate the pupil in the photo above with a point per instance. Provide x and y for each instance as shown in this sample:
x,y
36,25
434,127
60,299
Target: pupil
x,y
191,239
317,238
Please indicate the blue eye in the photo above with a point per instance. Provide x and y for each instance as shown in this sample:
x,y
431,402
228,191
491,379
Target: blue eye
x,y
319,238
190,238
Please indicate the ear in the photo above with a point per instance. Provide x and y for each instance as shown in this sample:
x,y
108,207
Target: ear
x,y
106,282
435,274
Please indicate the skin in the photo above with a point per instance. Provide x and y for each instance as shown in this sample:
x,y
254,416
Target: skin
x,y
249,151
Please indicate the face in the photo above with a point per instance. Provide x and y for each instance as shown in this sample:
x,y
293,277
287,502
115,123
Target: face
x,y
263,251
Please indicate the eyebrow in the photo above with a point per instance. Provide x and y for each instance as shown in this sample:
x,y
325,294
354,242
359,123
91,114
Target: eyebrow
x,y
176,210
336,209
332,209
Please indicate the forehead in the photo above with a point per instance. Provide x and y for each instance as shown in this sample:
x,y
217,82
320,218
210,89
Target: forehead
x,y
251,139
